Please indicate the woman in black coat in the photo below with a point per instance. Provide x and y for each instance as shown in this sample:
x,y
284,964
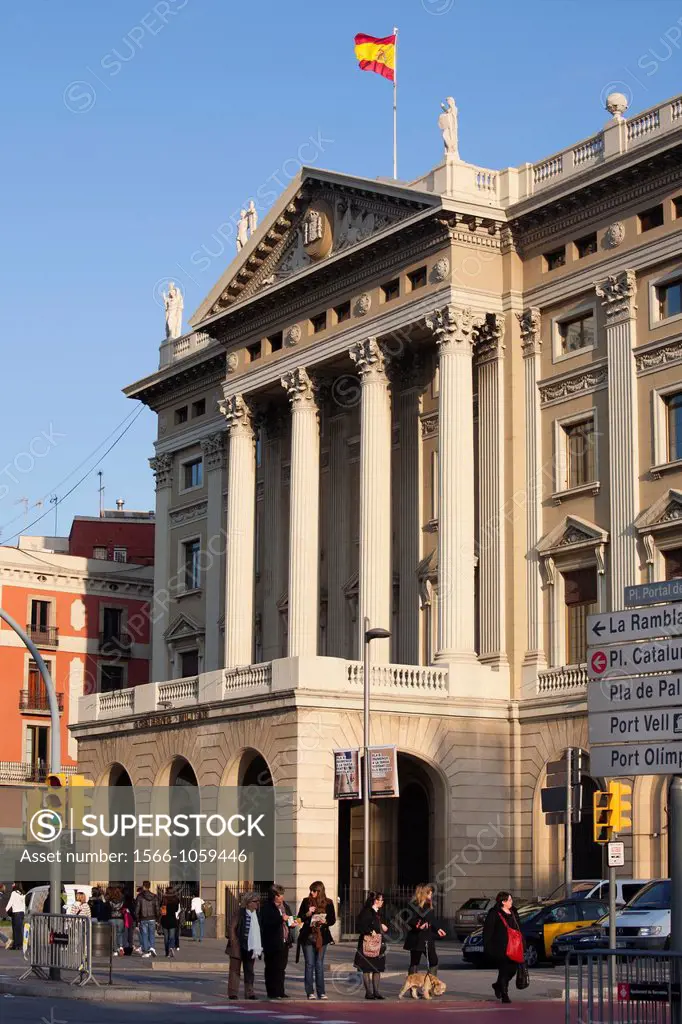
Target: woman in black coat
x,y
372,929
500,920
422,929
318,916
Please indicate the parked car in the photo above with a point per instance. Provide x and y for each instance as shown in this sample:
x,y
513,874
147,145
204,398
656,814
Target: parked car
x,y
541,924
471,915
645,922
626,888
581,940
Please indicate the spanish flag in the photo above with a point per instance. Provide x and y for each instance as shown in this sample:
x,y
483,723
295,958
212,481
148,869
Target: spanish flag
x,y
376,54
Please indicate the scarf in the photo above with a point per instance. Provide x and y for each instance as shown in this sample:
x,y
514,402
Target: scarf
x,y
252,933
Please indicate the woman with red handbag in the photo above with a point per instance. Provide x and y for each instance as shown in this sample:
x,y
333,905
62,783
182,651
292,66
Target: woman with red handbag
x,y
503,943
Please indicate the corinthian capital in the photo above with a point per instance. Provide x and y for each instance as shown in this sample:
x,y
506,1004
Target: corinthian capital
x,y
213,450
488,336
370,360
237,414
299,387
617,294
451,327
162,466
530,323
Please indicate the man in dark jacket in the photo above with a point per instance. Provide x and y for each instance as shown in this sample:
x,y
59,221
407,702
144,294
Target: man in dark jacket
x,y
244,945
99,908
276,923
146,915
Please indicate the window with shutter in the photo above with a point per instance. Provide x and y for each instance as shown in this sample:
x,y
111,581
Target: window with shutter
x,y
580,596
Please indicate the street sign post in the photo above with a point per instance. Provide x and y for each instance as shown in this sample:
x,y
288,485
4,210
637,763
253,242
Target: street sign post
x,y
635,624
634,659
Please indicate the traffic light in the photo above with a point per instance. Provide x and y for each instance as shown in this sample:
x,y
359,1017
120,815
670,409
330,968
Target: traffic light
x,y
602,824
81,792
621,805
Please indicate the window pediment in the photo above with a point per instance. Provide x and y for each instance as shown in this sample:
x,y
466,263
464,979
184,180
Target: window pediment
x,y
183,628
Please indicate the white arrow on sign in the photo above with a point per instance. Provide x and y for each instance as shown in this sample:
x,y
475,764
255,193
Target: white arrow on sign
x,y
634,692
636,726
635,624
634,659
615,760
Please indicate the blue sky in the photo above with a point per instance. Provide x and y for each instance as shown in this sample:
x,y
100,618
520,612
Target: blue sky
x,y
133,129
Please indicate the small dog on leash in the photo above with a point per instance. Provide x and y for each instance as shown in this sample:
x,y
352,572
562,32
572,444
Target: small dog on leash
x,y
422,986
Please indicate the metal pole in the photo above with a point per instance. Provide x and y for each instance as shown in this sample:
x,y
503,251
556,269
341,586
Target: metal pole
x,y
675,870
568,857
55,756
365,767
612,907
395,105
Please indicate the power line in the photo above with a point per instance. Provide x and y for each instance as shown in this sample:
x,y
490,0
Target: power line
x,y
79,482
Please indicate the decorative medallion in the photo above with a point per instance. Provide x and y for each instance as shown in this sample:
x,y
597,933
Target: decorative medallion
x,y
232,362
294,335
441,269
364,304
316,231
614,234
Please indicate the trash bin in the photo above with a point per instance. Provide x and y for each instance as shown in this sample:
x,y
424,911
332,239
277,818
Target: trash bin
x,y
102,940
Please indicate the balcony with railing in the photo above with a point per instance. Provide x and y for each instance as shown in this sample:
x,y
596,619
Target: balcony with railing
x,y
113,644
43,636
179,348
16,772
565,679
35,700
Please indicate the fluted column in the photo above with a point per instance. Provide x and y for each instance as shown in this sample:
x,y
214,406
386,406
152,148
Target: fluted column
x,y
272,536
530,323
491,536
337,547
241,521
213,449
304,512
456,517
375,495
409,532
162,465
618,299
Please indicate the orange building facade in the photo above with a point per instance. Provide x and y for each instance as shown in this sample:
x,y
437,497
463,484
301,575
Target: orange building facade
x,y
89,615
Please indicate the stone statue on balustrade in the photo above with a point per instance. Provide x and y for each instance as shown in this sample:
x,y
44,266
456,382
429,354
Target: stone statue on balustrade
x,y
173,303
447,122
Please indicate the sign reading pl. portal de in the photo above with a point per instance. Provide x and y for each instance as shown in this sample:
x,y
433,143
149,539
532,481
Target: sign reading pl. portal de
x,y
634,693
652,724
612,761
653,593
635,624
634,659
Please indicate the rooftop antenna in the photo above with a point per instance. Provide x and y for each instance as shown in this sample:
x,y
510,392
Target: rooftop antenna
x,y
54,500
101,494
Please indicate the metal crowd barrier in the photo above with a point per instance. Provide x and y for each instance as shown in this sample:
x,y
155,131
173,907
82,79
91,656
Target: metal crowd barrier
x,y
618,987
60,941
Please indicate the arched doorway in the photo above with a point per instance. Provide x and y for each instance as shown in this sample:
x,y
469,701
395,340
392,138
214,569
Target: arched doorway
x,y
256,795
121,797
184,799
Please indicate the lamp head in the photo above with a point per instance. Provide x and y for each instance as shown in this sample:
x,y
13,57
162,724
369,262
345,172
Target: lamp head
x,y
376,634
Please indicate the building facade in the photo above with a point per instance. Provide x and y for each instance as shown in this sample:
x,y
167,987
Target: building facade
x,y
452,408
84,600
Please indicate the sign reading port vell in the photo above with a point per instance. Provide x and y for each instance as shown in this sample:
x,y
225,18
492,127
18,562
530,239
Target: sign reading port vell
x,y
634,659
636,725
635,624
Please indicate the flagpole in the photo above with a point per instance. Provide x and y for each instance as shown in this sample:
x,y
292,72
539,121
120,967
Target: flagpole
x,y
395,105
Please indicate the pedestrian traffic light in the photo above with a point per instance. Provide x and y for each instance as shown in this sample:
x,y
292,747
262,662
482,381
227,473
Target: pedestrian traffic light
x,y
621,805
57,780
602,824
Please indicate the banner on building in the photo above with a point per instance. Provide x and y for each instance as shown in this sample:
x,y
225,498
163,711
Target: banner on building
x,y
347,774
383,771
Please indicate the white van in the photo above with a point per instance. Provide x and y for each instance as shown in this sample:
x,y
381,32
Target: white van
x,y
645,922
626,889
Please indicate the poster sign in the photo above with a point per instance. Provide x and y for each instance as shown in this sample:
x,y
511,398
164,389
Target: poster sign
x,y
383,770
347,774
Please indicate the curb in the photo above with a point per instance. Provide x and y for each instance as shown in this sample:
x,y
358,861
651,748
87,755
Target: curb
x,y
93,994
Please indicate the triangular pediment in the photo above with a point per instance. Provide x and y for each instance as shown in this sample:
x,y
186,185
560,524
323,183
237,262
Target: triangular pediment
x,y
183,626
572,532
319,217
664,512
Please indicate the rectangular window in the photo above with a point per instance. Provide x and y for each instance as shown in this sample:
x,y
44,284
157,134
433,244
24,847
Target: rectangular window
x,y
37,750
677,204
652,218
580,461
40,616
674,410
669,298
673,563
417,278
587,245
120,554
189,664
111,678
576,333
275,341
253,352
100,553
112,621
580,590
191,558
556,258
181,415
318,323
37,691
342,312
198,408
391,290
193,473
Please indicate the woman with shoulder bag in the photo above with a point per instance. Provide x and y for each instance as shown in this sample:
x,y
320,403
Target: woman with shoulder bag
x,y
317,915
503,944
371,954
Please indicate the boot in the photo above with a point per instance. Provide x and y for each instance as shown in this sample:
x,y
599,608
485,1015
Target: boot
x,y
369,991
376,977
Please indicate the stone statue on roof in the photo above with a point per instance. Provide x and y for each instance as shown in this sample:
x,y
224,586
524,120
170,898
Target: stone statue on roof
x,y
242,230
447,122
173,302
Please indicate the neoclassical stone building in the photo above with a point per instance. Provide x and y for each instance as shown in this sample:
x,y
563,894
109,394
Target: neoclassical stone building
x,y
453,407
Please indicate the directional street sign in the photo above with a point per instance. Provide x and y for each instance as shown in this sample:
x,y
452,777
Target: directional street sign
x,y
635,624
634,693
653,593
614,761
634,659
640,726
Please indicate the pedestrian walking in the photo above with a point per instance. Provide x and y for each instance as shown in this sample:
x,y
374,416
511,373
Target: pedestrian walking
x,y
318,916
16,908
146,915
168,916
99,908
244,946
276,923
114,898
503,943
370,957
422,930
81,907
198,918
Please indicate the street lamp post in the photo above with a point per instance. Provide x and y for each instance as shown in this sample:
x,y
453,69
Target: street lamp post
x,y
369,635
